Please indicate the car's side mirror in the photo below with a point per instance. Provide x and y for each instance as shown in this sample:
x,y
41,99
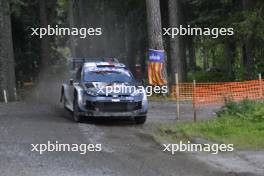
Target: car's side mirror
x,y
71,82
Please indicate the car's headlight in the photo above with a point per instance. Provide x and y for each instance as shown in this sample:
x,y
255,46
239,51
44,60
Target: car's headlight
x,y
136,93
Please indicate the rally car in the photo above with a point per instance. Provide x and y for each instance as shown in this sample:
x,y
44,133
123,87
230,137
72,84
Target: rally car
x,y
97,90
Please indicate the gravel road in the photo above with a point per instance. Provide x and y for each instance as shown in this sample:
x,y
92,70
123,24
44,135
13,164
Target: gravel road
x,y
126,148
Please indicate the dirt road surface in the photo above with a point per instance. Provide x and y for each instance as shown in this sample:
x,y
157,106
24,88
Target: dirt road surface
x,y
126,148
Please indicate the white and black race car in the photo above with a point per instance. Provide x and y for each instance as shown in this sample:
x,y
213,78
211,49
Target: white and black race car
x,y
104,89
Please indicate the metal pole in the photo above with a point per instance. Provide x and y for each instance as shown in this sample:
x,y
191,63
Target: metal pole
x,y
177,95
194,103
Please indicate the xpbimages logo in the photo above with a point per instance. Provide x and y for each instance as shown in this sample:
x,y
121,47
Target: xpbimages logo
x,y
197,31
125,89
189,147
64,31
59,147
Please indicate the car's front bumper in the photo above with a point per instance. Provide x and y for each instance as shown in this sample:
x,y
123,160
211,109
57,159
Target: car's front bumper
x,y
109,107
89,113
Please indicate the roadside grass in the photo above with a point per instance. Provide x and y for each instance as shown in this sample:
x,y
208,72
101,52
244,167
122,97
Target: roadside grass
x,y
241,124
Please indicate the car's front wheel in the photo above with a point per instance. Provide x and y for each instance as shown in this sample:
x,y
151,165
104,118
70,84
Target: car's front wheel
x,y
64,101
76,116
140,119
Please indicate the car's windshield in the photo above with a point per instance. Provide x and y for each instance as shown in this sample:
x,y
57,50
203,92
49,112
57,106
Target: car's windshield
x,y
108,76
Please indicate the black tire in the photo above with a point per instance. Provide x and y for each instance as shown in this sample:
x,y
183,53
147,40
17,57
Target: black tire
x,y
140,119
64,101
75,113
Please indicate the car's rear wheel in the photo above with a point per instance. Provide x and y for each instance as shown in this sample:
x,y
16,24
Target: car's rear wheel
x,y
140,119
76,116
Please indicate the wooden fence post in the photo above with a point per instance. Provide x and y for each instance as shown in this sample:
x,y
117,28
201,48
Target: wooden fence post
x,y
194,103
15,94
260,86
5,96
177,96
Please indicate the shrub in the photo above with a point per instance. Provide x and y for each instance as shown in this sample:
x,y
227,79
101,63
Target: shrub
x,y
202,76
246,110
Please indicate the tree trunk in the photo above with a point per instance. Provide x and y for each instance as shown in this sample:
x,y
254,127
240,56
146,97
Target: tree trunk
x,y
132,42
231,54
191,52
155,39
247,58
142,56
205,58
214,59
44,52
154,25
177,48
247,46
131,48
7,70
83,45
71,23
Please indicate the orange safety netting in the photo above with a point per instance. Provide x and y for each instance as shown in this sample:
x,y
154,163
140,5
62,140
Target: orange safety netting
x,y
215,93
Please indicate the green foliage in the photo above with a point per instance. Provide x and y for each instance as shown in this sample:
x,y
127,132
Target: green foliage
x,y
248,24
243,134
16,7
62,6
241,124
245,110
202,76
26,49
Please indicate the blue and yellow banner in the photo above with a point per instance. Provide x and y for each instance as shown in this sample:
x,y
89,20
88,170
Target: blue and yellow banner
x,y
155,67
